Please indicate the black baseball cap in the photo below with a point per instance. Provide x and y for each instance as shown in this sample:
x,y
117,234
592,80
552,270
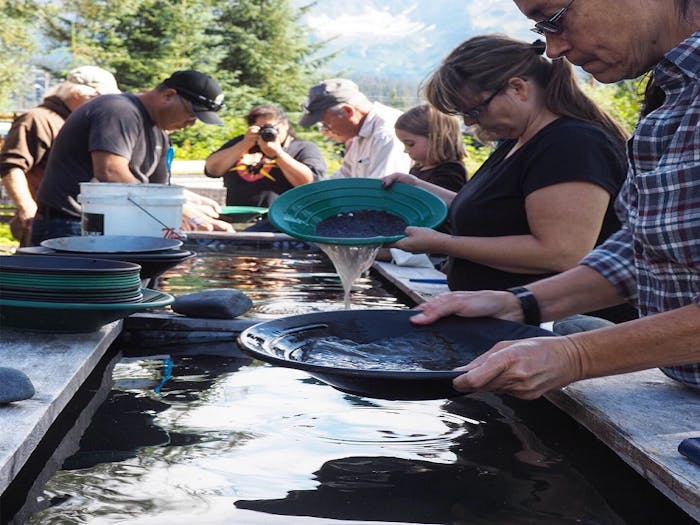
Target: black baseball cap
x,y
202,91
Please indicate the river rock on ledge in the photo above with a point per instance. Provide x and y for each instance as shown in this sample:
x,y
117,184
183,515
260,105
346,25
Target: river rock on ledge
x,y
222,303
14,385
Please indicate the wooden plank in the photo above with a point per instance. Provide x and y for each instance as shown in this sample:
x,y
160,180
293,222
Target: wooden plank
x,y
642,417
400,276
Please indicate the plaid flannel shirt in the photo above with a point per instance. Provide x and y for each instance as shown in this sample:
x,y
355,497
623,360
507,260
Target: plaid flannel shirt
x,y
654,260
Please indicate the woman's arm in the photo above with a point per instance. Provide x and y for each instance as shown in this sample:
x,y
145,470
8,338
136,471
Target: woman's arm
x,y
575,291
565,221
442,193
219,162
296,172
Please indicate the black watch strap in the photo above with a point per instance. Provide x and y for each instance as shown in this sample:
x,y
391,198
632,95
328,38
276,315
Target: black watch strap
x,y
528,302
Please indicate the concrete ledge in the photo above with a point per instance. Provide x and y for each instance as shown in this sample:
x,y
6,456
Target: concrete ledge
x,y
57,366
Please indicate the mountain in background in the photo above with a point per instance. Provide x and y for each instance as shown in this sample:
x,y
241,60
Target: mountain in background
x,y
404,40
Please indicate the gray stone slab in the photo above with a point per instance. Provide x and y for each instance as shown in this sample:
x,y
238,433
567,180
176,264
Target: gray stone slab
x,y
69,445
57,366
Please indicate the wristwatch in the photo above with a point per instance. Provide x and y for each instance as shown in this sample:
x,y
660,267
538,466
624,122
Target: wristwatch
x,y
528,302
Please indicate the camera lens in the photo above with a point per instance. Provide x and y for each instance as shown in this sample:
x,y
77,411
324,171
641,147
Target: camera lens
x,y
268,133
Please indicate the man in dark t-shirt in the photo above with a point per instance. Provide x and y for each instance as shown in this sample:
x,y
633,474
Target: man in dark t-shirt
x,y
122,138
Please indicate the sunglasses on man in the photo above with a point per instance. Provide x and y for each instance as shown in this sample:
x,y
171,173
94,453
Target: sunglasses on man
x,y
552,25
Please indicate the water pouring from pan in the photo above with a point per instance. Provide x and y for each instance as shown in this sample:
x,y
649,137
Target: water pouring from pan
x,y
350,219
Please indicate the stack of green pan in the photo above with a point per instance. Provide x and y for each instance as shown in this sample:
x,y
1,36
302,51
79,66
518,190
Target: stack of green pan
x,y
69,280
70,294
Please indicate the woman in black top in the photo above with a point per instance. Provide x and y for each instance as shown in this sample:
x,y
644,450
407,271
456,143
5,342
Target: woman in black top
x,y
545,197
265,162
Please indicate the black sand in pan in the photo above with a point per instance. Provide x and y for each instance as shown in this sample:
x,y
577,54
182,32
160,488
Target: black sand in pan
x,y
361,223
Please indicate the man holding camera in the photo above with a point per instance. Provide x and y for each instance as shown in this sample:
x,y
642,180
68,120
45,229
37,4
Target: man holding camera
x,y
266,161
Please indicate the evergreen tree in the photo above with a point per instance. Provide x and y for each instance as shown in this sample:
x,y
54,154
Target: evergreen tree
x,y
265,47
140,41
16,47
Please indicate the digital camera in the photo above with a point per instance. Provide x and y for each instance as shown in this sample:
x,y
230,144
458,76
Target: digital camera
x,y
268,133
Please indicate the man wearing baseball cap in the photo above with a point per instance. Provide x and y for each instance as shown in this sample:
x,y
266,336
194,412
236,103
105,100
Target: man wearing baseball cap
x,y
366,128
25,150
201,91
123,138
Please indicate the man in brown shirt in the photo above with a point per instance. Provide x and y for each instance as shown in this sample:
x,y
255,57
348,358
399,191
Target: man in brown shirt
x,y
26,148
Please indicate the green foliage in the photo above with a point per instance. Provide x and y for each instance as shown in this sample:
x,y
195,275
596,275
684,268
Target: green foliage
x,y
6,238
16,45
264,48
257,50
621,100
198,141
7,241
477,153
259,45
140,41
161,37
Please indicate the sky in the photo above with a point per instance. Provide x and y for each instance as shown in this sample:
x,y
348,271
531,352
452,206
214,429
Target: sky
x,y
406,38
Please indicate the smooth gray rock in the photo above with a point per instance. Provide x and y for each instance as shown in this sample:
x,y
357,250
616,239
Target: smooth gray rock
x,y
579,323
222,303
14,385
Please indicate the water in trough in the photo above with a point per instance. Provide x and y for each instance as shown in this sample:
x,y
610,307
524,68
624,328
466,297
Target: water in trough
x,y
186,438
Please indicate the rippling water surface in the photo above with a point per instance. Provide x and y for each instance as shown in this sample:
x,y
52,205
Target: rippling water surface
x,y
279,282
232,441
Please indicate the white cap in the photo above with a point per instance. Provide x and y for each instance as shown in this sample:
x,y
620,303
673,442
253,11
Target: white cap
x,y
95,77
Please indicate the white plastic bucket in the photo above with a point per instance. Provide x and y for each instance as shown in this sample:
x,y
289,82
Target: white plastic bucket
x,y
154,210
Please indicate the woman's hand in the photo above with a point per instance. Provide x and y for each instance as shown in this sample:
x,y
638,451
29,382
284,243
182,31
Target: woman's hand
x,y
399,177
252,134
272,149
421,240
526,369
485,303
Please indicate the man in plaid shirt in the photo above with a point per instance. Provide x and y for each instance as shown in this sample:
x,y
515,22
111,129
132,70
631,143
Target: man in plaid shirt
x,y
654,260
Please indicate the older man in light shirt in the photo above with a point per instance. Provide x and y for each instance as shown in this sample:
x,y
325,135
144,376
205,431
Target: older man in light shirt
x,y
365,127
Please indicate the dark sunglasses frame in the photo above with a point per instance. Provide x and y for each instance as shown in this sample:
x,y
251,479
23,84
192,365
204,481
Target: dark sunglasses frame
x,y
551,25
199,102
476,111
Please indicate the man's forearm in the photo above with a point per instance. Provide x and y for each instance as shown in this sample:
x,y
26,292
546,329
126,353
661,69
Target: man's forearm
x,y
17,187
574,291
666,339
